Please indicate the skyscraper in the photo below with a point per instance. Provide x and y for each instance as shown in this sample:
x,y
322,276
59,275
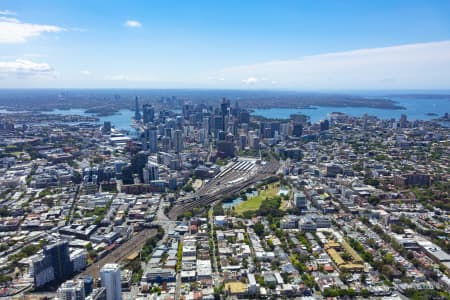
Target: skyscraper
x,y
150,172
178,141
60,259
403,121
137,114
148,113
205,124
106,129
225,107
324,125
110,274
218,125
225,111
149,139
297,129
244,117
153,139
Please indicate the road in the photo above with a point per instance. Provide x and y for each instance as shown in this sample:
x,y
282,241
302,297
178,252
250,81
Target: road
x,y
215,268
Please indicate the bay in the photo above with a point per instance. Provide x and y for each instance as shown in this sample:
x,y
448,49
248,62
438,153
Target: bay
x,y
415,109
120,120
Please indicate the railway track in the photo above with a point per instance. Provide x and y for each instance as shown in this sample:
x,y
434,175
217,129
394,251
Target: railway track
x,y
121,252
204,197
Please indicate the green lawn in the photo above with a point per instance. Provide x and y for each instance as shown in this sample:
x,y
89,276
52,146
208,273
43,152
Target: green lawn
x,y
253,203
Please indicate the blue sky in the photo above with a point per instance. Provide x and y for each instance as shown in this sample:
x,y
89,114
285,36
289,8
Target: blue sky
x,y
303,45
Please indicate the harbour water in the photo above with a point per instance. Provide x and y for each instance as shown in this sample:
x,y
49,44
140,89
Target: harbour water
x,y
120,120
415,109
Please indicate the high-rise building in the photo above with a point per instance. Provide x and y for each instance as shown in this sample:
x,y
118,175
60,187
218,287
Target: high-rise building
x,y
403,121
262,128
165,141
60,259
110,275
178,141
41,270
274,128
88,283
297,129
300,201
137,114
242,141
188,108
324,125
225,149
221,135
106,129
365,121
153,139
299,118
218,124
225,107
244,116
148,113
149,139
150,172
71,290
205,124
203,137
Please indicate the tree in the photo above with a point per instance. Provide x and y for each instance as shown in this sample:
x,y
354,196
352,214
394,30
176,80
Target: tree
x,y
344,276
76,177
89,246
363,278
365,293
397,229
388,259
410,255
259,229
4,211
374,200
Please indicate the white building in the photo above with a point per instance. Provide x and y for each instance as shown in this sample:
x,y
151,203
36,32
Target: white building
x,y
71,290
78,259
150,172
110,274
289,222
41,270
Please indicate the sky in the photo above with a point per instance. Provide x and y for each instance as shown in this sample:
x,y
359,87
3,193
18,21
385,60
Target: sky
x,y
314,45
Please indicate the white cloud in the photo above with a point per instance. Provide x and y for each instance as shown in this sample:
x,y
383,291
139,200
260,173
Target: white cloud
x,y
24,68
133,24
250,80
13,30
411,66
7,13
85,72
123,77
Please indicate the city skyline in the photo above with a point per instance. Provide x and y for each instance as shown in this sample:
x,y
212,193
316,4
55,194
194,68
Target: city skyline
x,y
225,45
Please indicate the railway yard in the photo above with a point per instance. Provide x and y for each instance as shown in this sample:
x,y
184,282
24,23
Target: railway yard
x,y
233,178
